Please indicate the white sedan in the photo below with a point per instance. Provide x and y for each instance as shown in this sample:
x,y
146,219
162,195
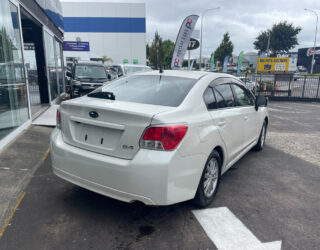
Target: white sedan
x,y
158,138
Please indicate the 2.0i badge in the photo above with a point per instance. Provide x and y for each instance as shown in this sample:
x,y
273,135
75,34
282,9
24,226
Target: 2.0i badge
x,y
93,114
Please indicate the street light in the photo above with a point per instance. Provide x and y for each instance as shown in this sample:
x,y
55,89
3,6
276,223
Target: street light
x,y
268,46
315,38
203,13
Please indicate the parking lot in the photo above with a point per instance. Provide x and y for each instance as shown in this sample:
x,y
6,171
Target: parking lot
x,y
275,193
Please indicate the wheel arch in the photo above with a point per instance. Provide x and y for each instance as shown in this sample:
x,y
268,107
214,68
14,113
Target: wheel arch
x,y
221,153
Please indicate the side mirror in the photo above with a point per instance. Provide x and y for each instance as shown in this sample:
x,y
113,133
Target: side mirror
x,y
260,101
69,74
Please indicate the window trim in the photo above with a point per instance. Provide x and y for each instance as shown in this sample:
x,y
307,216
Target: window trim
x,y
230,81
245,90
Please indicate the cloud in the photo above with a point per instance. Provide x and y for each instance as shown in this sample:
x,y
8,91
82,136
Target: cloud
x,y
242,19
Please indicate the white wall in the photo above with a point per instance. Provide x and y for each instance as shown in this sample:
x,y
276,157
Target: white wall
x,y
118,46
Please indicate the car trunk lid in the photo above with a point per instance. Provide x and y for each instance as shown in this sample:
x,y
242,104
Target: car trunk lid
x,y
108,127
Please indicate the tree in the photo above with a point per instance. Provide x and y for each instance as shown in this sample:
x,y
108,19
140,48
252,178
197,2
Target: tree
x,y
225,48
148,51
106,59
156,51
168,47
283,37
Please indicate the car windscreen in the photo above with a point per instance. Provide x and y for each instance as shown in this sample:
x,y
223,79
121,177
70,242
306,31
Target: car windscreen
x,y
150,89
90,71
132,69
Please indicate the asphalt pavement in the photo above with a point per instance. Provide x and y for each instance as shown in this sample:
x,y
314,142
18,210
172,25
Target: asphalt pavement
x,y
274,193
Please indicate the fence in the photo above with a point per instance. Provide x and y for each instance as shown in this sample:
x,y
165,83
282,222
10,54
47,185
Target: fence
x,y
288,87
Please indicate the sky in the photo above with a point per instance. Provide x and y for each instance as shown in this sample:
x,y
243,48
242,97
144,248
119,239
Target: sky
x,y
243,19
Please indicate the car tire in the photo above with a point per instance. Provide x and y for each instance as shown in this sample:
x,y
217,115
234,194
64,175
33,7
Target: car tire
x,y
210,177
262,137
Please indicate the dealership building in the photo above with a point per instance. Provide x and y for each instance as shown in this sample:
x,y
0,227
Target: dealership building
x,y
94,29
31,62
305,58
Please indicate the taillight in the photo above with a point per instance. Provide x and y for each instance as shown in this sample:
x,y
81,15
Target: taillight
x,y
58,119
163,137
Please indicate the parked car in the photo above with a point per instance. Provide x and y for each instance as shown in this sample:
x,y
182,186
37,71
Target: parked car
x,y
296,75
87,76
302,69
128,69
158,138
112,74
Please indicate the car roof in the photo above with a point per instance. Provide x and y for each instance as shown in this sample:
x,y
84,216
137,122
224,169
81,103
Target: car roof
x,y
185,73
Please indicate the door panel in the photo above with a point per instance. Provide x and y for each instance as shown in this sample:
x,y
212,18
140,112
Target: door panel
x,y
230,124
251,132
229,119
250,116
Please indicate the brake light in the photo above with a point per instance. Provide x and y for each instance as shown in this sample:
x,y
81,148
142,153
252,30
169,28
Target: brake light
x,y
58,119
163,137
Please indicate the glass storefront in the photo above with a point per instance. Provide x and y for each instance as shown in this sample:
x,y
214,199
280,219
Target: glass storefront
x,y
51,64
13,92
32,72
59,67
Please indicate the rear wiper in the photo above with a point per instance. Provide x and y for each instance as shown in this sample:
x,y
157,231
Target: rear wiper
x,y
103,95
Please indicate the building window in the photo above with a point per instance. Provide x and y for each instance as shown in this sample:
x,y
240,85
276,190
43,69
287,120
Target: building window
x,y
13,94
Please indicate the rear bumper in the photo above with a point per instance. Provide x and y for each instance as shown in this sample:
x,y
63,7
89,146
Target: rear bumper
x,y
152,177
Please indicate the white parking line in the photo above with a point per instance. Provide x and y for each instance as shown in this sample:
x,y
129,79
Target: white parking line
x,y
228,232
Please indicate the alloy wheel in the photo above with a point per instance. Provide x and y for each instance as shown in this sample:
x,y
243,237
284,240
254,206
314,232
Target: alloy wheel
x,y
211,177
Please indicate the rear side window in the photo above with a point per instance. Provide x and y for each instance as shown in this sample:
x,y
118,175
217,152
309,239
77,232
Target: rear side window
x,y
209,98
148,89
224,90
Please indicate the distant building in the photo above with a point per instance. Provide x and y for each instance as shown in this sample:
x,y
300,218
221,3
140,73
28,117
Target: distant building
x,y
245,62
305,58
249,59
252,59
96,29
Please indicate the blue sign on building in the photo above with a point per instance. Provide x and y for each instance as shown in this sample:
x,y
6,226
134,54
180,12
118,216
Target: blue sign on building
x,y
76,46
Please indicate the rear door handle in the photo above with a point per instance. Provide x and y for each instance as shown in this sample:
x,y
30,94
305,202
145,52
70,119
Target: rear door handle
x,y
246,118
221,124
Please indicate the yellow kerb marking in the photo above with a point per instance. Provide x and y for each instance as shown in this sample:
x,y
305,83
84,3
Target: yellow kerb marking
x,y
45,155
12,213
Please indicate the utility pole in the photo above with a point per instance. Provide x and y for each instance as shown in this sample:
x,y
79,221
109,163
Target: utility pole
x,y
315,39
268,47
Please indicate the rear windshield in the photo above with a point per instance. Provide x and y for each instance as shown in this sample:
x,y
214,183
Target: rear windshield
x,y
155,90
